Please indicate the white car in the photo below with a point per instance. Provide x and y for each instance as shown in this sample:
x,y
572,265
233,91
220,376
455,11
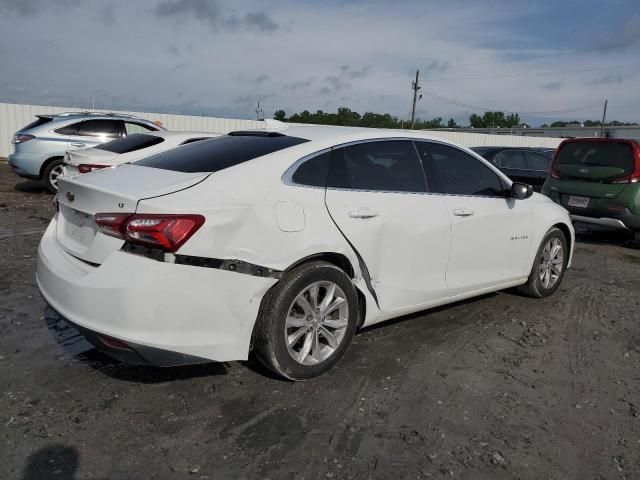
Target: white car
x,y
127,149
286,241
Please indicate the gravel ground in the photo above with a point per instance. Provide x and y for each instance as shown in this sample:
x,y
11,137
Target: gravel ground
x,y
498,387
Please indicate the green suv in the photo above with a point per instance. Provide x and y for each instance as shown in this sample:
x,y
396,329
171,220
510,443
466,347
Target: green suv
x,y
598,181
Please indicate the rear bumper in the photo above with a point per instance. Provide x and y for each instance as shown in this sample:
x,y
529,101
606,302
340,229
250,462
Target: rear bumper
x,y
621,219
155,308
134,353
600,211
26,164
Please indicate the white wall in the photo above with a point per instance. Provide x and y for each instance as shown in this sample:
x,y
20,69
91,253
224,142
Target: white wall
x,y
14,116
484,139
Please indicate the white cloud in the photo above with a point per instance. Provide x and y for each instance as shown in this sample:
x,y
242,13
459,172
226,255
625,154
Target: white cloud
x,y
319,55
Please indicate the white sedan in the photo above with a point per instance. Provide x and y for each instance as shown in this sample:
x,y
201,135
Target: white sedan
x,y
286,241
127,149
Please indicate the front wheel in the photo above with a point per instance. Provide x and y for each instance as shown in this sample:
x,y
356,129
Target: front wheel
x,y
307,321
549,265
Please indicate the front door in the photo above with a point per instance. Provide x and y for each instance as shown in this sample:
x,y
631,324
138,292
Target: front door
x,y
376,195
491,233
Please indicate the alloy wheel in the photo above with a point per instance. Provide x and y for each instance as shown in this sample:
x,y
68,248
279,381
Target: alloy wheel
x,y
54,174
551,263
316,323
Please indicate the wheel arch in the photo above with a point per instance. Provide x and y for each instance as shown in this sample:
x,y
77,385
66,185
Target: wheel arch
x,y
338,259
564,228
48,162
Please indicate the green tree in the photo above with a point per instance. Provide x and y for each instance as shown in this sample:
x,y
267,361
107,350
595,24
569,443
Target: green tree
x,y
452,123
476,121
280,115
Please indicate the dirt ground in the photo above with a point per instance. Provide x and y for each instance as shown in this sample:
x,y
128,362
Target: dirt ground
x,y
498,387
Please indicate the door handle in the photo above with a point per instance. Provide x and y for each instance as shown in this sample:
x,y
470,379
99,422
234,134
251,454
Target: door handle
x,y
363,212
78,144
463,212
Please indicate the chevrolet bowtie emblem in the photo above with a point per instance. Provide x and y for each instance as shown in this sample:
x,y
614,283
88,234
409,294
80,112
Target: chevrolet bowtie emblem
x,y
70,196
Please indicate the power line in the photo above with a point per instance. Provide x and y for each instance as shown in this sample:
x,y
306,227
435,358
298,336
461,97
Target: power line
x,y
490,109
535,74
548,55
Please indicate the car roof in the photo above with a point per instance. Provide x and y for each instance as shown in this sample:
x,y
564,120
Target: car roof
x,y
71,115
339,134
483,147
170,134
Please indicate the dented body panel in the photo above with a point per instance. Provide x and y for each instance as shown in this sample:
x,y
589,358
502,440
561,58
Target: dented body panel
x,y
204,300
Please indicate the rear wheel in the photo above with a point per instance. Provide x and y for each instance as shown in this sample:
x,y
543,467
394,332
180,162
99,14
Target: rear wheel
x,y
549,265
51,174
307,321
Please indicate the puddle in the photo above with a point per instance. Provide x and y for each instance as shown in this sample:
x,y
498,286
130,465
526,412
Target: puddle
x,y
65,335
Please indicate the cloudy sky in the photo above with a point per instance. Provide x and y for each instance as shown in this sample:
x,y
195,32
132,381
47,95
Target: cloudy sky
x,y
220,57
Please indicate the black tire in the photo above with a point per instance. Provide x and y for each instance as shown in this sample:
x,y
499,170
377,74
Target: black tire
x,y
534,286
46,176
270,346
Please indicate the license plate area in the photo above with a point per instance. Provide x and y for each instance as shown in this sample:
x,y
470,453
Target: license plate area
x,y
78,229
576,201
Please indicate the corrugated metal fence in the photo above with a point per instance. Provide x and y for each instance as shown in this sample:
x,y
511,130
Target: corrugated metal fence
x,y
14,116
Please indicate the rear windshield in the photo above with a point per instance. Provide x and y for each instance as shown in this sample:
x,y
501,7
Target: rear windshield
x,y
614,154
219,153
131,143
37,123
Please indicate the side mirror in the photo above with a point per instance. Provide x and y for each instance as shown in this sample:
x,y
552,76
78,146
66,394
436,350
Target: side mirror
x,y
520,191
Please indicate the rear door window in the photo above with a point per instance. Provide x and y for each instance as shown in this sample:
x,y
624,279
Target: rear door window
x,y
220,152
513,159
391,166
93,128
131,143
313,172
451,171
538,161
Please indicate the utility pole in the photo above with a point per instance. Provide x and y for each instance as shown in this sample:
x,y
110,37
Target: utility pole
x,y
259,112
415,87
604,118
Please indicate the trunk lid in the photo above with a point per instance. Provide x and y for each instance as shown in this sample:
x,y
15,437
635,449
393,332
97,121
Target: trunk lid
x,y
90,156
113,190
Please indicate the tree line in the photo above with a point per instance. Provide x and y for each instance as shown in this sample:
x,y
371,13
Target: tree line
x,y
589,123
347,117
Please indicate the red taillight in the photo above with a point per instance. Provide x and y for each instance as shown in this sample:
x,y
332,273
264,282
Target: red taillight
x,y
635,176
21,138
167,232
111,224
87,167
553,173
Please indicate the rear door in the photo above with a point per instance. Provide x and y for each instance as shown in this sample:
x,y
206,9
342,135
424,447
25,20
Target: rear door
x,y
89,133
538,166
514,165
491,234
376,195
